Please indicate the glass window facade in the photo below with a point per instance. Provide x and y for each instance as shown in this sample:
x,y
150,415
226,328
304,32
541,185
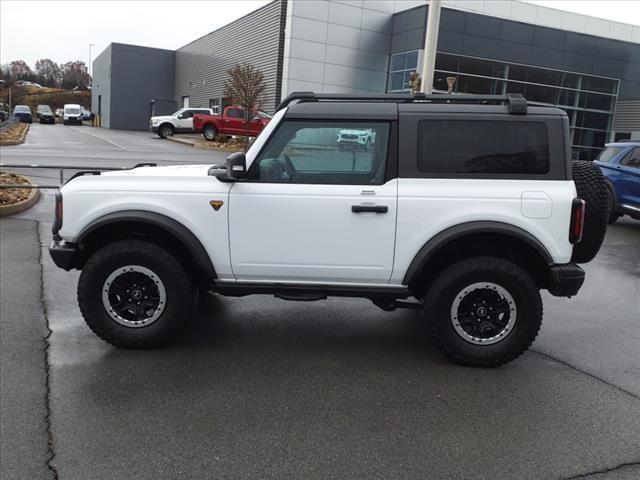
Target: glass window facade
x,y
588,100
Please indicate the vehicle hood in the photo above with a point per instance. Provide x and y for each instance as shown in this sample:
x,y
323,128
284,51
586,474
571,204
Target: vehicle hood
x,y
168,171
162,118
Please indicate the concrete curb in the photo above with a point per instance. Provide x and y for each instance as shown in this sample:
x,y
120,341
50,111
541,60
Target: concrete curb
x,y
183,141
17,142
31,200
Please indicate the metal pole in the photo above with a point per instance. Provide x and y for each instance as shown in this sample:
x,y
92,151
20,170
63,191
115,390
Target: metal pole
x,y
89,67
430,46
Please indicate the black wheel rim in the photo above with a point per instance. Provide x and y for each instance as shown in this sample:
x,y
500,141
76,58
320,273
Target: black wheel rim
x,y
134,296
483,313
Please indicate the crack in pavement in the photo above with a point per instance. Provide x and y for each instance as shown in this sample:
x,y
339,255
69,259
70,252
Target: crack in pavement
x,y
604,470
573,367
50,448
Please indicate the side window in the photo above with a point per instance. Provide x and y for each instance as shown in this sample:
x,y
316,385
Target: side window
x,y
187,114
482,147
235,113
632,159
341,153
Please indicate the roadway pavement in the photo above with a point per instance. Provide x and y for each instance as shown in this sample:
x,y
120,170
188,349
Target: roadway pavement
x,y
258,387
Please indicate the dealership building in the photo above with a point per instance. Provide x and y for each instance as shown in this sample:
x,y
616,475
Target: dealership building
x,y
587,66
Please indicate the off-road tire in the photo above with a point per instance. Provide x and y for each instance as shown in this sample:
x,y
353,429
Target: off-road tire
x,y
442,292
593,189
165,131
209,132
180,294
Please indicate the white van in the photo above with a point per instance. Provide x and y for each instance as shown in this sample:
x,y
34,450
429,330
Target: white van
x,y
72,114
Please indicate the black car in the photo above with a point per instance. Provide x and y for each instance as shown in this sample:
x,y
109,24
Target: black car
x,y
23,112
46,115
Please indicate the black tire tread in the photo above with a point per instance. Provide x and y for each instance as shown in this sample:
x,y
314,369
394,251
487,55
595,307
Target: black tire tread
x,y
591,188
111,335
452,273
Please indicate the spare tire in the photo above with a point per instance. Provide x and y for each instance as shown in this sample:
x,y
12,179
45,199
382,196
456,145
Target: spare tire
x,y
592,189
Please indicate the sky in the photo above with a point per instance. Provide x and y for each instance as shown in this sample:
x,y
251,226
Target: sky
x,y
63,30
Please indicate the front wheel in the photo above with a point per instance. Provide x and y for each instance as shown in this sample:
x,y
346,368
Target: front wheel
x,y
165,131
135,294
483,311
209,133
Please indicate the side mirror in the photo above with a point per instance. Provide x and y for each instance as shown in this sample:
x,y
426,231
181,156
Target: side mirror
x,y
236,166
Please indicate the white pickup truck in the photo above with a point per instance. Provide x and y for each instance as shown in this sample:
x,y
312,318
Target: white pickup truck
x,y
178,122
462,207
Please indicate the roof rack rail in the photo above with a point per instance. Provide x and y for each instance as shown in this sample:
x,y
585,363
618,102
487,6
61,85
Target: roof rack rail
x,y
516,103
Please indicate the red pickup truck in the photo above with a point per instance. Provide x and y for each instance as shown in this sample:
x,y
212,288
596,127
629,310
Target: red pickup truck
x,y
231,122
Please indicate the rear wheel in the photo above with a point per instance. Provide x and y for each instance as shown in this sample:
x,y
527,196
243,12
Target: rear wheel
x,y
209,132
483,311
165,131
135,294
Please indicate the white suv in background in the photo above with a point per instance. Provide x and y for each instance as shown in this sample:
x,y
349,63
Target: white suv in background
x,y
178,122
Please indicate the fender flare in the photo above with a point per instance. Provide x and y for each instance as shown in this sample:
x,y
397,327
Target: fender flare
x,y
439,240
171,226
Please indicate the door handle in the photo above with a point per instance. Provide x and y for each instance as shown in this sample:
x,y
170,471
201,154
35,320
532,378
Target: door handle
x,y
369,208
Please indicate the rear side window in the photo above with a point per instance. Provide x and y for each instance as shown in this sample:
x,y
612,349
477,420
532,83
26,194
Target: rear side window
x,y
482,147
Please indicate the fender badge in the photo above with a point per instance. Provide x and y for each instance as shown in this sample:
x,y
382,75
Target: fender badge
x,y
216,204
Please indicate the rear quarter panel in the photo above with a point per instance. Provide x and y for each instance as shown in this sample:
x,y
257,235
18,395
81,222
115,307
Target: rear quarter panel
x,y
430,205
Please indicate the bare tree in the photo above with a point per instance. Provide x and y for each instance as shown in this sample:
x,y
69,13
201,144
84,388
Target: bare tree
x,y
49,70
245,87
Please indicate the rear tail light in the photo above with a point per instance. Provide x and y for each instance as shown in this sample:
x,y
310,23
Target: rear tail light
x,y
576,229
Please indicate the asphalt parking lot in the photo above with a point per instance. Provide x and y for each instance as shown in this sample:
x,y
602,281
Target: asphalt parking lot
x,y
258,387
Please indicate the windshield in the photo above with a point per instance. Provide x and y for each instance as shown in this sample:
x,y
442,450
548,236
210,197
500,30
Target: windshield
x,y
22,108
175,114
608,153
72,111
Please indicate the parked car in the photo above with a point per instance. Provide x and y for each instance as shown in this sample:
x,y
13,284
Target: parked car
x,y
356,139
72,114
178,122
86,114
232,122
471,243
620,164
46,115
23,112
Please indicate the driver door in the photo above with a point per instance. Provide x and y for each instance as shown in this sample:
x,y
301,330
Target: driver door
x,y
312,212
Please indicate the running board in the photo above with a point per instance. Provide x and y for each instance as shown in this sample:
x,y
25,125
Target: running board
x,y
310,292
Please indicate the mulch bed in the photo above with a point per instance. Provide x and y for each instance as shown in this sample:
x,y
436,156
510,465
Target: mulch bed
x,y
9,196
13,134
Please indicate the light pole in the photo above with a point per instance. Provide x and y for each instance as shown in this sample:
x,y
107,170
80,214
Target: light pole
x,y
89,66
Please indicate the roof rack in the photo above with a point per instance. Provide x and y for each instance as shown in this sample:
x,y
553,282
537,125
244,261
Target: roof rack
x,y
516,103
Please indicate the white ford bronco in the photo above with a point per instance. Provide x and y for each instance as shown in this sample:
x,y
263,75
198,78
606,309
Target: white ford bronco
x,y
464,207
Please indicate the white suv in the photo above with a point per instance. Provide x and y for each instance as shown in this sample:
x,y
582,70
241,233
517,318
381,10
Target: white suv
x,y
179,122
468,206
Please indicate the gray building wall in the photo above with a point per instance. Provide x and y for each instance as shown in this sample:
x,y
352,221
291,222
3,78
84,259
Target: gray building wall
x,y
138,76
335,46
200,66
101,86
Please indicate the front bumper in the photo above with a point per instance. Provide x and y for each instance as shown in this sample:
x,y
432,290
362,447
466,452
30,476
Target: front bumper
x,y
63,254
565,280
153,128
